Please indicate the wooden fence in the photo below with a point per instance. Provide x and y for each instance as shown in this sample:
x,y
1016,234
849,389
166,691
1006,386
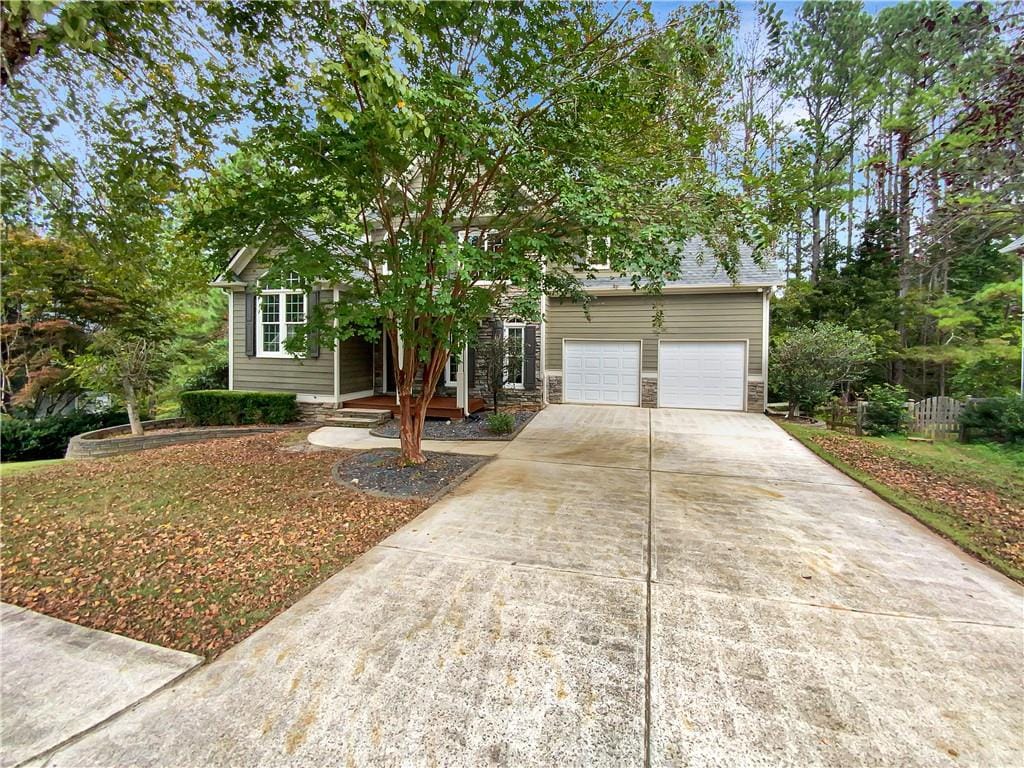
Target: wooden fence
x,y
934,417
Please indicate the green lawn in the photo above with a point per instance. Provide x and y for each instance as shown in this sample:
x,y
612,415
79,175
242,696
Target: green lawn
x,y
9,468
971,494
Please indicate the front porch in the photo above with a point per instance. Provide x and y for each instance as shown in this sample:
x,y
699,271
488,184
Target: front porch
x,y
437,408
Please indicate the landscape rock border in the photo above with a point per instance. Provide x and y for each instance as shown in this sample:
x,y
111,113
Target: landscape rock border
x,y
114,441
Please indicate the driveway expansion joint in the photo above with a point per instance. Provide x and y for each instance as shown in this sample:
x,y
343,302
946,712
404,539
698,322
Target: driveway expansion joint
x,y
509,563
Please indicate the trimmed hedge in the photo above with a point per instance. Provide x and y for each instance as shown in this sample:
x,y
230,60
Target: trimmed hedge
x,y
47,438
223,406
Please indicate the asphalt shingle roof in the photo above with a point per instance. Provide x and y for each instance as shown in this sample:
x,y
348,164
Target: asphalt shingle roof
x,y
699,267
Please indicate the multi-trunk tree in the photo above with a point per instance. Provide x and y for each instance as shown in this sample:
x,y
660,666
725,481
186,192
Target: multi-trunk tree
x,y
437,159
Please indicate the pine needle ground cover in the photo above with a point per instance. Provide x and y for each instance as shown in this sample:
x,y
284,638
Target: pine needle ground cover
x,y
971,494
190,547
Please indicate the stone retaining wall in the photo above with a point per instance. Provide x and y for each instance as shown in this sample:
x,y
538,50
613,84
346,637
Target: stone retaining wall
x,y
108,441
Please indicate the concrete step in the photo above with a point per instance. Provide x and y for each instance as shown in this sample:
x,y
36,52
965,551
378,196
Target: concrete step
x,y
358,418
380,413
349,421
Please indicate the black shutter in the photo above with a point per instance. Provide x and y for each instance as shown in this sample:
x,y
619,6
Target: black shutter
x,y
471,367
530,357
250,325
313,340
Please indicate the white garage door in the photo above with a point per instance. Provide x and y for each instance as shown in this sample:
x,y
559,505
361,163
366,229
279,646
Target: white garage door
x,y
602,372
702,374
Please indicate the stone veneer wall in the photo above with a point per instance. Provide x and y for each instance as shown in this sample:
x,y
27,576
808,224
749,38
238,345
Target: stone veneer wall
x,y
554,389
648,392
755,396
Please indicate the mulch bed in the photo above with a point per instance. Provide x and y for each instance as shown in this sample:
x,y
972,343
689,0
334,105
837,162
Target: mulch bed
x,y
191,546
381,472
995,518
473,427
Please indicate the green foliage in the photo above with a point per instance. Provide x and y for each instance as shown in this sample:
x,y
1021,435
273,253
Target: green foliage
x,y
997,418
990,368
500,423
213,376
47,438
125,365
809,362
211,407
886,410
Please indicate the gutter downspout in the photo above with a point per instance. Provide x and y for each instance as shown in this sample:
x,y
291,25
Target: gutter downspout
x,y
231,338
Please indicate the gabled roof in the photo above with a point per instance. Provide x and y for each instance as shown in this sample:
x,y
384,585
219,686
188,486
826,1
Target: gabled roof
x,y
1016,245
700,269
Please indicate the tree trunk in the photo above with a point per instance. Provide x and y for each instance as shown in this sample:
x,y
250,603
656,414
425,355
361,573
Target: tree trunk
x,y
904,203
132,406
798,262
413,410
410,430
815,243
851,186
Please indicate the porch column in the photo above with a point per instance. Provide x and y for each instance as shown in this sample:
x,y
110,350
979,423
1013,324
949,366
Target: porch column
x,y
399,335
462,382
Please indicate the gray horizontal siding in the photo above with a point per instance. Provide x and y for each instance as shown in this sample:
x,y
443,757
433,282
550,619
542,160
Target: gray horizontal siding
x,y
355,358
278,374
698,317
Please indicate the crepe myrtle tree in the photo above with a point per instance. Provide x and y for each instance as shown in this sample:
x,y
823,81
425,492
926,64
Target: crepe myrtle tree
x,y
431,156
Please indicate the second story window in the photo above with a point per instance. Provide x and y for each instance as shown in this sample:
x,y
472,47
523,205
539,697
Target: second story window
x,y
486,241
597,257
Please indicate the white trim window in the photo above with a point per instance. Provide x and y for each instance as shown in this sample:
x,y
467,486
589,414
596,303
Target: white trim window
x,y
515,359
451,371
279,312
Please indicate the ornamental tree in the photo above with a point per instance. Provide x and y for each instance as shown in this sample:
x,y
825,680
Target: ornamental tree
x,y
126,365
808,363
384,138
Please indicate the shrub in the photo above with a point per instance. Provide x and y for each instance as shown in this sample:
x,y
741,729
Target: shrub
x,y
47,438
808,363
997,418
221,406
886,411
212,376
500,423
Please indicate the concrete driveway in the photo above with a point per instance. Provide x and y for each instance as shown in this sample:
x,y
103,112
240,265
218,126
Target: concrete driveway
x,y
783,615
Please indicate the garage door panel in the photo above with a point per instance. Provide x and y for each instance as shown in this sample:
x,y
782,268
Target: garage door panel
x,y
706,374
602,372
